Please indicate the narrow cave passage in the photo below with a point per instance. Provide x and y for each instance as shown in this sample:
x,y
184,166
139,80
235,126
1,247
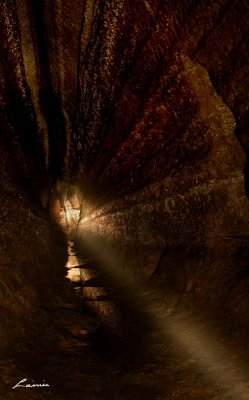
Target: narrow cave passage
x,y
124,210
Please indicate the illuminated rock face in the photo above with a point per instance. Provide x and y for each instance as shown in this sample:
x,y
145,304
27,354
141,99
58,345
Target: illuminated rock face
x,y
149,100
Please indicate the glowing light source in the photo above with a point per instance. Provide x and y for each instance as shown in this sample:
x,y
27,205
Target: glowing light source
x,y
205,349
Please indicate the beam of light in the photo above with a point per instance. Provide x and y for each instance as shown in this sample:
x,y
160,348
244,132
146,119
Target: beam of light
x,y
107,311
209,353
65,211
205,349
220,365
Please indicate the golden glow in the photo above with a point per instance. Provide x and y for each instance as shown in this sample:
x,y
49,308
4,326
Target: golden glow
x,y
204,349
65,211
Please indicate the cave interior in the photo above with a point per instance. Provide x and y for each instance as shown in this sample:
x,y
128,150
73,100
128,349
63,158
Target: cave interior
x,y
124,199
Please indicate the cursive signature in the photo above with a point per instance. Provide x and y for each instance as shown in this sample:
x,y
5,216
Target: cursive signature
x,y
22,384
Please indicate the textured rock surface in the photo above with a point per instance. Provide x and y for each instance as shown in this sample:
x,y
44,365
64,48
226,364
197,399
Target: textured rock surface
x,y
147,103
159,125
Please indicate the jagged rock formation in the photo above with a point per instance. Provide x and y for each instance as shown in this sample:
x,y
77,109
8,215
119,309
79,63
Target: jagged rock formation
x,y
148,102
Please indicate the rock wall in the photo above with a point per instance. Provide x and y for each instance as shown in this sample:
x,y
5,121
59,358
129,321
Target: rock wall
x,y
33,253
161,122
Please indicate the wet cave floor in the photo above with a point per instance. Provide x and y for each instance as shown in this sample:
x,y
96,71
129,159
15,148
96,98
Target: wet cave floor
x,y
97,347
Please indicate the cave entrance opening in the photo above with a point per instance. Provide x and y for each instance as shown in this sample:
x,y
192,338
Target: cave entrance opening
x,y
88,279
65,210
